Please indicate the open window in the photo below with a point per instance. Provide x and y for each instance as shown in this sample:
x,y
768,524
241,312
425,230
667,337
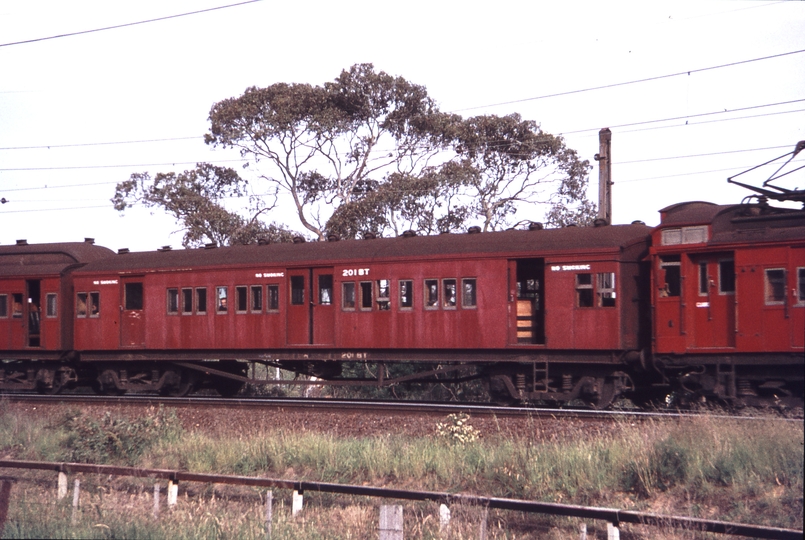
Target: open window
x,y
670,279
348,295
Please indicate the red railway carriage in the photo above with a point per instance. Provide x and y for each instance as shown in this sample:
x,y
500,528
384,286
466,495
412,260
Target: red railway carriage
x,y
36,321
729,298
494,298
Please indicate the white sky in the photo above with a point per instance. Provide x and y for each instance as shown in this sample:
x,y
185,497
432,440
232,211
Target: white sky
x,y
159,80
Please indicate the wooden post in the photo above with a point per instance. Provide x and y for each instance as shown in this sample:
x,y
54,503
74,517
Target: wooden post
x,y
173,493
604,159
583,531
62,490
296,503
76,491
391,522
156,500
444,519
269,511
483,525
612,532
5,498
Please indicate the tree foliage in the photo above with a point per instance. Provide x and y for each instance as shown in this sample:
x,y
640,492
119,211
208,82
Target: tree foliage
x,y
369,152
195,199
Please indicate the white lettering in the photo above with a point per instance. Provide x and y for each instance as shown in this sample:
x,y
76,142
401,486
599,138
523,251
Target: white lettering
x,y
351,272
569,267
269,274
702,304
105,282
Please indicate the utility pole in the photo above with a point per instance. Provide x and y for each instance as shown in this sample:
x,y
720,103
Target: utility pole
x,y
604,159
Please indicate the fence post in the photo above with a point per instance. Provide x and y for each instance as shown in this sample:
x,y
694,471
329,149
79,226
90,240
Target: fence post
x,y
269,511
62,490
76,494
612,531
444,519
483,525
156,500
5,498
296,503
173,493
583,531
391,522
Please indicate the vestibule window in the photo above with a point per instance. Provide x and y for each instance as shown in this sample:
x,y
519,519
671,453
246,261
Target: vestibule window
x,y
670,276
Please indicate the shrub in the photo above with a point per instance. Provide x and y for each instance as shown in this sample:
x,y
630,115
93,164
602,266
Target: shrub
x,y
457,429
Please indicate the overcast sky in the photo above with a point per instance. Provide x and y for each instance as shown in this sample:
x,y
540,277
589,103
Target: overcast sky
x,y
75,110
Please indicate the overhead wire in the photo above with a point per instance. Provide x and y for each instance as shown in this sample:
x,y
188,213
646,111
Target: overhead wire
x,y
69,34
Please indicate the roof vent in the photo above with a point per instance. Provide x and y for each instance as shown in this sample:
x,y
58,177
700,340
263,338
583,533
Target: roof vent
x,y
22,242
535,226
123,251
298,240
369,235
638,222
89,240
475,229
332,238
600,222
165,248
408,234
211,245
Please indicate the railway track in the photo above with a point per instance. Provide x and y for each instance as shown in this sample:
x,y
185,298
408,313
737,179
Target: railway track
x,y
375,407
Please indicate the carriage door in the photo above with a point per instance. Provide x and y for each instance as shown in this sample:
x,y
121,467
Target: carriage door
x,y
526,301
714,309
311,318
33,306
669,308
132,319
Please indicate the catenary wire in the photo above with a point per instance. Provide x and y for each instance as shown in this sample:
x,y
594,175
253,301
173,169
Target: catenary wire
x,y
126,24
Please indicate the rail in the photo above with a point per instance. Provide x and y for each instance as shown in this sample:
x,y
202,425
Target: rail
x,y
609,515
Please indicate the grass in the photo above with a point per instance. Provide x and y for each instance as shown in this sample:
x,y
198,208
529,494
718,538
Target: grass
x,y
711,468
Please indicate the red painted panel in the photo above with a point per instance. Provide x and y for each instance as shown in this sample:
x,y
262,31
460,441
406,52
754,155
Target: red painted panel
x,y
323,307
713,309
299,307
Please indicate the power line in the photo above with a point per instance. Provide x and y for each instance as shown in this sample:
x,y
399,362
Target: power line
x,y
126,24
73,145
725,111
173,163
613,85
702,155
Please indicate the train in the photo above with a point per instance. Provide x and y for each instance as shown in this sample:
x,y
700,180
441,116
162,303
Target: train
x,y
709,305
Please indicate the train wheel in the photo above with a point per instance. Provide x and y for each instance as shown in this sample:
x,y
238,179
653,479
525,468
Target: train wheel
x,y
49,382
187,383
606,394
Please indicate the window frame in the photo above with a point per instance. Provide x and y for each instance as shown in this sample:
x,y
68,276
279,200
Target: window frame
x,y
721,280
584,288
219,297
297,300
269,298
667,262
3,306
94,305
449,302
364,303
601,291
351,296
241,299
800,286
183,300
200,292
81,296
431,303
474,304
259,297
383,301
409,284
51,313
171,301
768,287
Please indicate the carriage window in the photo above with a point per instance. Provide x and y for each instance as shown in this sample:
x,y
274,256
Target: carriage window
x,y
257,298
201,301
383,294
775,286
801,285
704,281
606,289
325,289
431,293
450,292
348,296
3,305
50,305
366,295
726,276
221,299
584,290
241,292
406,294
468,298
297,290
81,304
187,301
273,298
670,276
134,296
173,301
94,304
